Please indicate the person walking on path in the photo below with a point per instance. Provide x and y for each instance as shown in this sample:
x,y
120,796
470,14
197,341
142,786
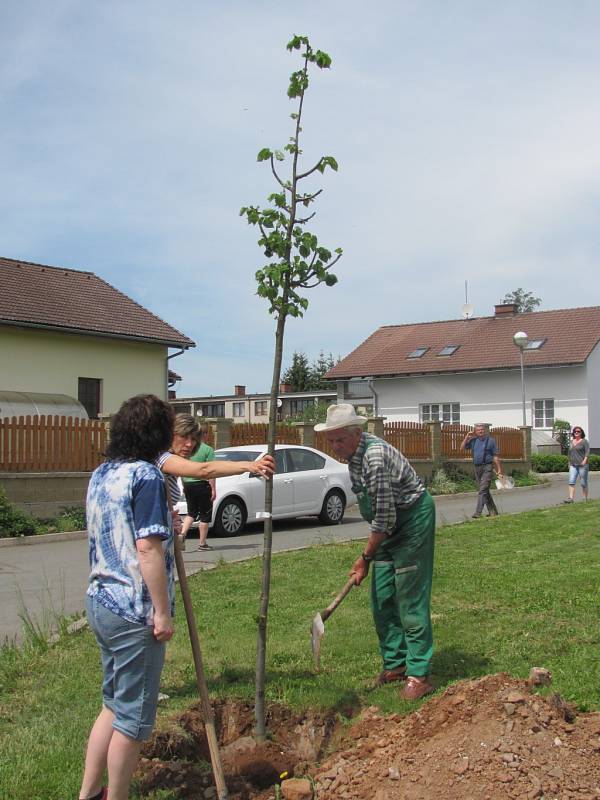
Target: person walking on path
x,y
401,515
579,451
199,494
485,457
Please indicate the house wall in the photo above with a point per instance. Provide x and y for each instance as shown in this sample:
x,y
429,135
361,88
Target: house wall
x,y
592,426
32,360
493,397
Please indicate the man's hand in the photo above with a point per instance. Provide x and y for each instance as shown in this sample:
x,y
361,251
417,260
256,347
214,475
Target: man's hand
x,y
265,467
360,570
163,627
177,523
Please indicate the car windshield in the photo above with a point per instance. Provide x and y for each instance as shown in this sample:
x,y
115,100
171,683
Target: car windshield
x,y
236,455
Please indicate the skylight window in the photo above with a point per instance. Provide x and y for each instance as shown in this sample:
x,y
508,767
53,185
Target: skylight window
x,y
418,352
449,350
534,344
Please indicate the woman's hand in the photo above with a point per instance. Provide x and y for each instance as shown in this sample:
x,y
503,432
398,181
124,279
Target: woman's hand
x,y
163,627
265,467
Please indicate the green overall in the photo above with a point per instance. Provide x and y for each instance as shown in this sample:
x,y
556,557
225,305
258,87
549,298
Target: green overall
x,y
401,586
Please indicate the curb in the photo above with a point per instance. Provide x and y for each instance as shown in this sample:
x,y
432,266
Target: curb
x,y
43,538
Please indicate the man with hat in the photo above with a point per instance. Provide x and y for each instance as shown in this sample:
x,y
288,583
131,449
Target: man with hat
x,y
401,514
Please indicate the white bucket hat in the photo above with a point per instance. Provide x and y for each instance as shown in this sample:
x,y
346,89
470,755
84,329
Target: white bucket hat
x,y
342,415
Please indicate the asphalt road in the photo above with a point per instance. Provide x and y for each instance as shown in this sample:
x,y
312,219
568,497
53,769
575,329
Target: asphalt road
x,y
49,578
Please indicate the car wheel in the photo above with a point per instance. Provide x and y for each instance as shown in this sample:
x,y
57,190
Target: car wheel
x,y
231,518
333,508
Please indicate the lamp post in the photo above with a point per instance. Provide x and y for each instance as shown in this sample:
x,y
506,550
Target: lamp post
x,y
520,340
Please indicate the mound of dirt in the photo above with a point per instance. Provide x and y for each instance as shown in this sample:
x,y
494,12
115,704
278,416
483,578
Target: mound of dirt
x,y
488,738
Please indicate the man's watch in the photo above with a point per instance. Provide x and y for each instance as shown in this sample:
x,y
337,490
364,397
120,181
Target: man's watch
x,y
367,559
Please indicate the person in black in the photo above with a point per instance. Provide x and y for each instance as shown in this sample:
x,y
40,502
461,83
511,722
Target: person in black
x,y
485,459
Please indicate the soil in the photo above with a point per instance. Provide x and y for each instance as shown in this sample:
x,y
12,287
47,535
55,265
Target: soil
x,y
488,739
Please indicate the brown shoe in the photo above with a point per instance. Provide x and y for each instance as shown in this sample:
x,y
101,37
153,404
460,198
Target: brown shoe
x,y
389,676
416,688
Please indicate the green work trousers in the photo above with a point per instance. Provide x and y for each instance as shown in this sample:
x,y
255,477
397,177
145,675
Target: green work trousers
x,y
401,590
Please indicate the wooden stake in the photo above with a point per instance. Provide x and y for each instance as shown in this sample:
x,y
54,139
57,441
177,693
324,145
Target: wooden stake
x,y
207,711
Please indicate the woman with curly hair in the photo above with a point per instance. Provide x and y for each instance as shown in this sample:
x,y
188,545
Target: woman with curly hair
x,y
130,597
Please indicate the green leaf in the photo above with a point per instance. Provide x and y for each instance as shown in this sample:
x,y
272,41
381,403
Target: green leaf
x,y
264,154
331,279
279,155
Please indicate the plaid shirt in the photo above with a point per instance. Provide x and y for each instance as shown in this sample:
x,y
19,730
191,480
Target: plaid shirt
x,y
387,476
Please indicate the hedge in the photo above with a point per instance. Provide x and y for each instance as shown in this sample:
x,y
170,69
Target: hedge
x,y
558,463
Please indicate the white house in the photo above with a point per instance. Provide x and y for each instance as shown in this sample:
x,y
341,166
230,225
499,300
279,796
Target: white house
x,y
68,332
468,370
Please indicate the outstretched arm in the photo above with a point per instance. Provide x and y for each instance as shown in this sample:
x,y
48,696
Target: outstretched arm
x,y
184,468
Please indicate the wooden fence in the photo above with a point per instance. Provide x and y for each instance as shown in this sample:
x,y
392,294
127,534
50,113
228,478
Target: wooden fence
x,y
411,438
51,444
451,437
256,433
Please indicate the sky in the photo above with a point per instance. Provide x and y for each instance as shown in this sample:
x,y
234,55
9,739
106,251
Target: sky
x,y
467,136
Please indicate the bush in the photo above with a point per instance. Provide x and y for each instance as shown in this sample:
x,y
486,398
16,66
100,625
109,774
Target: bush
x,y
550,462
13,521
441,484
561,431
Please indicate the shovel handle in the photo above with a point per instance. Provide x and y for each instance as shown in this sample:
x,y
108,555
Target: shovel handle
x,y
335,603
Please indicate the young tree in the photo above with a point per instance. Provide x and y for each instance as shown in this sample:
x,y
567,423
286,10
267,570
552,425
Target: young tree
x,y
296,262
524,301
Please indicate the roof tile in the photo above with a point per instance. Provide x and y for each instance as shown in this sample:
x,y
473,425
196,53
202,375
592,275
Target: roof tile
x,y
485,343
67,299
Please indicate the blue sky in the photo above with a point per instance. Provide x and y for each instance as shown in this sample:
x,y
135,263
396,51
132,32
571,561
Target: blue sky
x,y
467,135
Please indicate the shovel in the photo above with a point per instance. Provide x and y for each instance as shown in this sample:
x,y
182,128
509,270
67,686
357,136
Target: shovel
x,y
318,627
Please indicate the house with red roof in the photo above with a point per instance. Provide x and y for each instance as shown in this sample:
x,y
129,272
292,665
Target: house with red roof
x,y
68,332
468,370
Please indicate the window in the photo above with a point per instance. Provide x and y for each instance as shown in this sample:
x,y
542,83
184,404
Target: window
x,y
260,408
280,462
418,352
440,412
239,409
302,460
298,406
543,413
88,394
213,409
449,350
534,344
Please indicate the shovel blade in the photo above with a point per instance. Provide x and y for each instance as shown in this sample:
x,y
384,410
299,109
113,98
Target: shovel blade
x,y
317,631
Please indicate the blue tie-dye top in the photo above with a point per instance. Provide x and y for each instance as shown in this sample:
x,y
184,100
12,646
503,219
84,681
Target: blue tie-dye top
x,y
126,501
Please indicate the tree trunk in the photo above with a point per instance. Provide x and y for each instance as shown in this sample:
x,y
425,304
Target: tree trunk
x,y
261,650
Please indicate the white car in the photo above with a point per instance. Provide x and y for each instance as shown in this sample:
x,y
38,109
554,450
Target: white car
x,y
306,483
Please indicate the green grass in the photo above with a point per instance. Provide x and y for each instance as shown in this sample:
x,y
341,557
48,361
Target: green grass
x,y
510,593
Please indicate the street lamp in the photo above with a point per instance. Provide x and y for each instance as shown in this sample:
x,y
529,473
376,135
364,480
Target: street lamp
x,y
520,339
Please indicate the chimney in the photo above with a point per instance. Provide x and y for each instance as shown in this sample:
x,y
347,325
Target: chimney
x,y
504,309
239,390
284,388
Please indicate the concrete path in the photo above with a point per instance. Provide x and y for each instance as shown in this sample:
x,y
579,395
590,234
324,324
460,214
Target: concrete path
x,y
49,578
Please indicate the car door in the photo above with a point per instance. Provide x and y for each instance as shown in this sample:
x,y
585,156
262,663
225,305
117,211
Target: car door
x,y
310,479
283,486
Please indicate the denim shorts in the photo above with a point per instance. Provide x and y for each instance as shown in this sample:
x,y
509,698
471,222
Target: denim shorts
x,y
582,470
132,660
